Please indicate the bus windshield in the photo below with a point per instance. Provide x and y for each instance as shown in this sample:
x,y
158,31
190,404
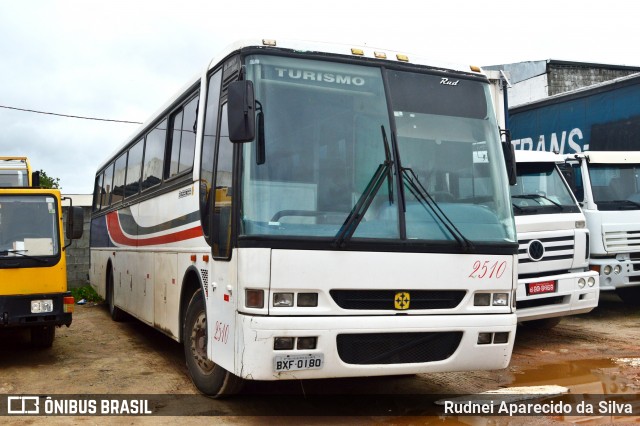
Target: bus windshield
x,y
28,226
615,186
428,166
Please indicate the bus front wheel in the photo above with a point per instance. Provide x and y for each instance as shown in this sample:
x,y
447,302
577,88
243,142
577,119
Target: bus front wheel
x,y
209,378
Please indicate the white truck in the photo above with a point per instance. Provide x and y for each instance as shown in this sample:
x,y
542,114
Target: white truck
x,y
607,185
553,258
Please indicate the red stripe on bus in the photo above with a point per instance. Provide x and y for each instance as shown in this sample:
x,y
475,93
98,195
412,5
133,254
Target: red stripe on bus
x,y
115,231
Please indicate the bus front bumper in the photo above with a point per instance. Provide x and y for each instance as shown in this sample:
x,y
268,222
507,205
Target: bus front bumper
x,y
353,346
35,310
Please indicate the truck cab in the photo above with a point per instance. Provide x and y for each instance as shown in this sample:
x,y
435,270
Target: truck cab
x,y
607,185
553,256
33,276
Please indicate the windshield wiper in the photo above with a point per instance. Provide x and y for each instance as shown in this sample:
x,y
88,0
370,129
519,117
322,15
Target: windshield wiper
x,y
358,211
426,200
19,253
534,196
636,204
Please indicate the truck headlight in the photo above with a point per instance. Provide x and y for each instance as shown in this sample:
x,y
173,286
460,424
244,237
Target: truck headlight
x,y
607,269
581,282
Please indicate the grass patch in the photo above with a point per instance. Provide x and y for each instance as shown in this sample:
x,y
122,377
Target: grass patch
x,y
87,293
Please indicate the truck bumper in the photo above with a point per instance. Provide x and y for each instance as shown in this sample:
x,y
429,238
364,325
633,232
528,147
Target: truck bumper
x,y
15,311
623,272
376,345
567,299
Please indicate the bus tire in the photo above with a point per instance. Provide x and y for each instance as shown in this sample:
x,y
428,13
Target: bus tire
x,y
210,379
629,295
42,336
116,313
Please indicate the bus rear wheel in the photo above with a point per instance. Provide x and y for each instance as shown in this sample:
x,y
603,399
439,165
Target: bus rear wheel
x,y
209,378
116,313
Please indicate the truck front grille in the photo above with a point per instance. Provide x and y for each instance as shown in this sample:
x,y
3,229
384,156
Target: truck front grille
x,y
556,248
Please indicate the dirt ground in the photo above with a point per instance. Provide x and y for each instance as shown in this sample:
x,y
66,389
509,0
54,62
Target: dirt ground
x,y
595,353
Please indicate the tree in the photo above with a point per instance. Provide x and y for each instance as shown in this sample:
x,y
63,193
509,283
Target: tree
x,y
48,182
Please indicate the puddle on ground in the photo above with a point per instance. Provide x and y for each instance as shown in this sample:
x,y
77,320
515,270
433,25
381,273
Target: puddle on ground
x,y
594,381
592,376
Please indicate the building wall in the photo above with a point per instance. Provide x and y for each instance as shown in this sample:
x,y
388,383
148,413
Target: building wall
x,y
78,255
564,78
529,90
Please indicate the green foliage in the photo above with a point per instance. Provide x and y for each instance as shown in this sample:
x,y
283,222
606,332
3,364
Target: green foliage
x,y
48,182
87,293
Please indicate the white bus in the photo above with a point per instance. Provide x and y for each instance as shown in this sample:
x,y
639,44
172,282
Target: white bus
x,y
306,211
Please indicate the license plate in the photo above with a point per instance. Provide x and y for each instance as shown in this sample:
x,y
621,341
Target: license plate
x,y
542,287
298,362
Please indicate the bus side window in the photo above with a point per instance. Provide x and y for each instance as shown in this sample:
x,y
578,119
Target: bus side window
x,y
106,187
221,231
182,139
154,156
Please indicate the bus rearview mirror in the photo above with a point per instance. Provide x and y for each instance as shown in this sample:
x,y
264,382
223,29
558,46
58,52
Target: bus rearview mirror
x,y
241,107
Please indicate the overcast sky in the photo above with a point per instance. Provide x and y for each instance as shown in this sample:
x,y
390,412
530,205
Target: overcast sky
x,y
122,59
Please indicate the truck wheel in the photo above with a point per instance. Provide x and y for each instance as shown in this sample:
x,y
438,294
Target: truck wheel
x,y
629,295
42,336
542,324
209,378
117,314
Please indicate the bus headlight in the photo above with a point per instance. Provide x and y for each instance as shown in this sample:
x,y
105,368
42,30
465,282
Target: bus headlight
x,y
482,299
282,299
308,299
501,299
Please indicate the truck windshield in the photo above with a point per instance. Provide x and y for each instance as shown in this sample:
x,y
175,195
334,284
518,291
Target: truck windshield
x,y
335,147
615,186
540,189
28,226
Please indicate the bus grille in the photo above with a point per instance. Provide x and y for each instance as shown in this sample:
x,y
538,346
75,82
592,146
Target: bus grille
x,y
384,299
397,348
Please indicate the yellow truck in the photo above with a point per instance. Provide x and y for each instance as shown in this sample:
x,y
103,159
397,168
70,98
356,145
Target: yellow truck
x,y
33,277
